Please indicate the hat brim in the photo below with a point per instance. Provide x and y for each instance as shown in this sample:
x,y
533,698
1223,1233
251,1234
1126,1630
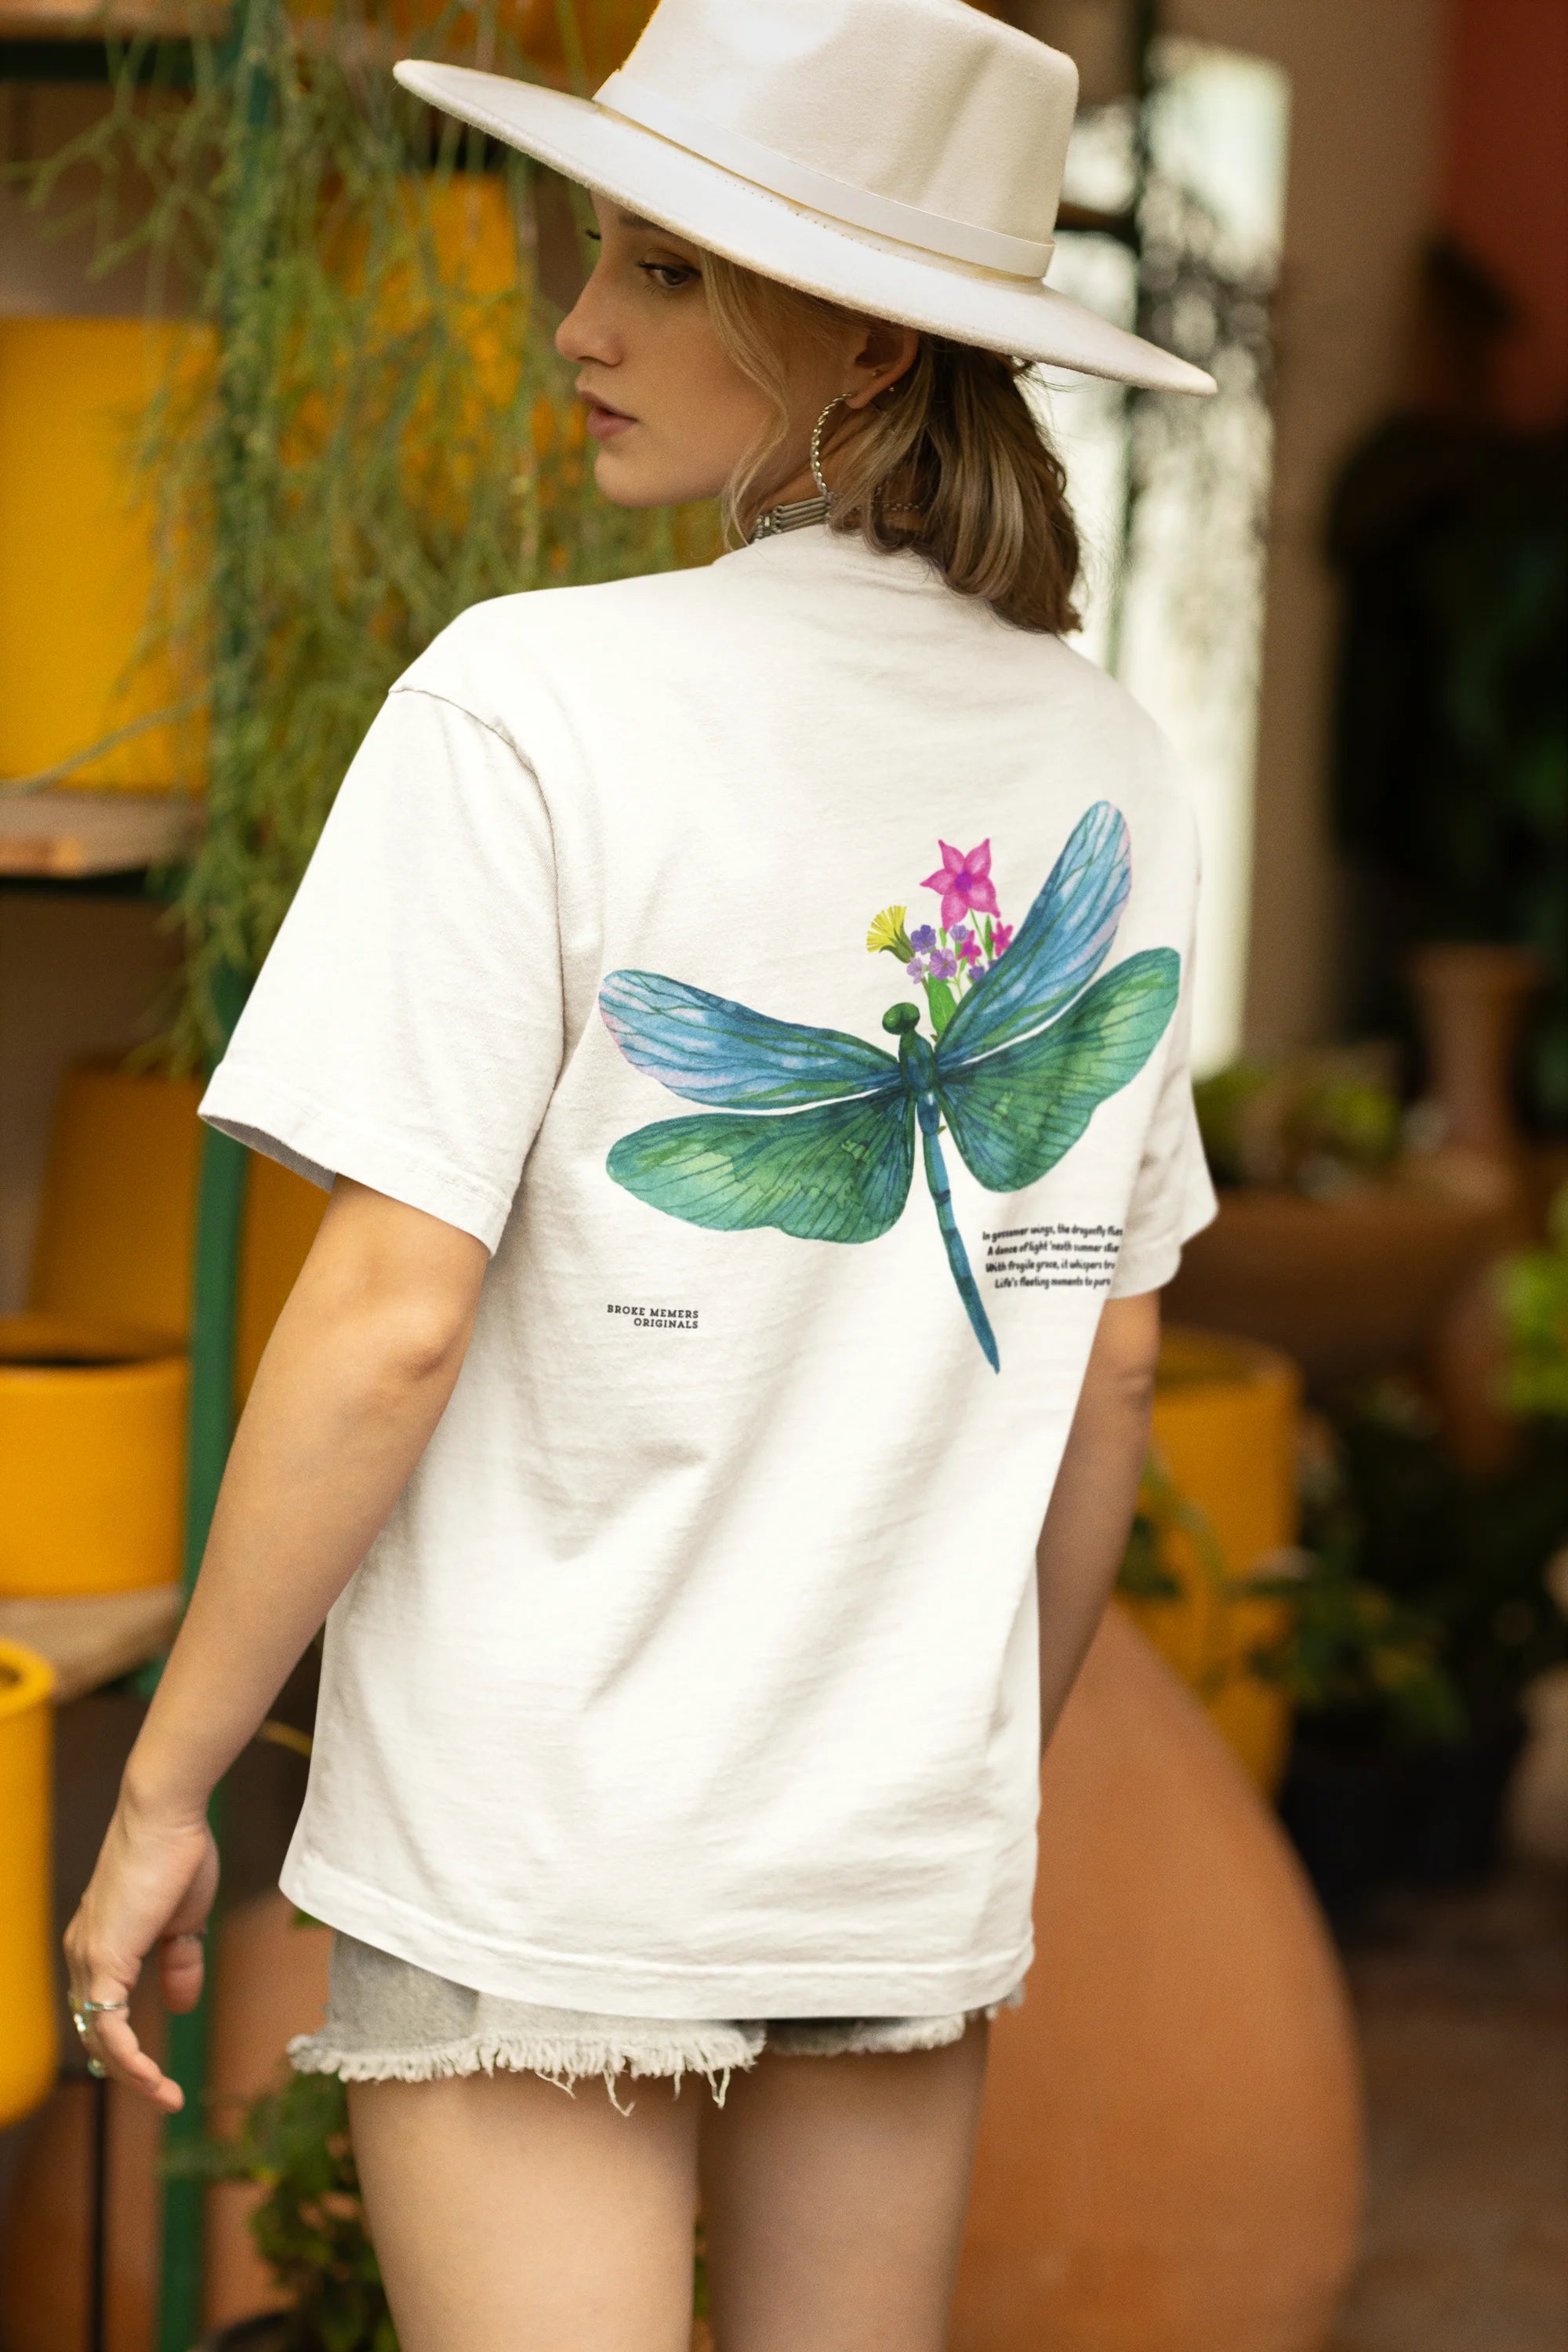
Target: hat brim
x,y
749,224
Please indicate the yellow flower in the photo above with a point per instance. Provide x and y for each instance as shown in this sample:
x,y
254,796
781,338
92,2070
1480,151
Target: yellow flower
x,y
887,933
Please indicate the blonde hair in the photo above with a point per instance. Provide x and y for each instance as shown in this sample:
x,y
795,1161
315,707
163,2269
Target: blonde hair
x,y
950,462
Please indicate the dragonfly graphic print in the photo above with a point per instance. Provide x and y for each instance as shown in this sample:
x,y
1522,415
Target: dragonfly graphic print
x,y
813,1131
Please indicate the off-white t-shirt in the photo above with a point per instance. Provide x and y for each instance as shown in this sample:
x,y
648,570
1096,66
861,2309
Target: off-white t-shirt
x,y
693,1673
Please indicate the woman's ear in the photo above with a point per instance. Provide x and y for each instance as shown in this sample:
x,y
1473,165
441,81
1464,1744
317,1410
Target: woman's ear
x,y
886,353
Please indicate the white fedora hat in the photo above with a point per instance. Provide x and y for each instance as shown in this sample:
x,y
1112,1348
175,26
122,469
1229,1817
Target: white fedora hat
x,y
900,157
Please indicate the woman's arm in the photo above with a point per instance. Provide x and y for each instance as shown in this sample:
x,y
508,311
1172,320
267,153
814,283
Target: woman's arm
x,y
354,1379
1085,1535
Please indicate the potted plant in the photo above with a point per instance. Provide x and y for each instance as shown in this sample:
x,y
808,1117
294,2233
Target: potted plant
x,y
1422,1619
309,2226
1343,1232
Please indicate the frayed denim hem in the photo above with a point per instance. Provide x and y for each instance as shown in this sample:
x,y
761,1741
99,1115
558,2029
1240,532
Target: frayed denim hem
x,y
563,2058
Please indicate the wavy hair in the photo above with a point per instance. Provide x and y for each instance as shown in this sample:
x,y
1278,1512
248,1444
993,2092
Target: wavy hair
x,y
950,462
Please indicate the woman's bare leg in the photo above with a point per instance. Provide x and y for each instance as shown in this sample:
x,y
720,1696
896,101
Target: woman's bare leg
x,y
507,2213
833,2196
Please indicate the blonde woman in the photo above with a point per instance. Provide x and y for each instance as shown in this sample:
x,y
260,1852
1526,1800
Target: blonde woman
x,y
740,1016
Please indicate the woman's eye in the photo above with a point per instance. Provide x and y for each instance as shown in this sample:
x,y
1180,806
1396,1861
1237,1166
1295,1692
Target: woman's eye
x,y
671,276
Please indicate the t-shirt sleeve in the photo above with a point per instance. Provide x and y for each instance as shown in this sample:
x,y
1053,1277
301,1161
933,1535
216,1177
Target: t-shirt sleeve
x,y
1173,1196
406,1029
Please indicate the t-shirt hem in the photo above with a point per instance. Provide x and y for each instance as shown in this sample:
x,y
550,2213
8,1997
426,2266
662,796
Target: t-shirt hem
x,y
618,1986
1153,1263
318,1143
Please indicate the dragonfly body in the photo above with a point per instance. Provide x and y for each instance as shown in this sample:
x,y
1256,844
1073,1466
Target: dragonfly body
x,y
813,1131
918,1070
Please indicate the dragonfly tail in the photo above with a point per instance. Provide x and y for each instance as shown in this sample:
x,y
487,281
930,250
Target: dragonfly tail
x,y
957,1255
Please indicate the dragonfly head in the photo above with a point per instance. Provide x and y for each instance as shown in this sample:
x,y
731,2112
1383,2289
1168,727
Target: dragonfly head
x,y
901,1020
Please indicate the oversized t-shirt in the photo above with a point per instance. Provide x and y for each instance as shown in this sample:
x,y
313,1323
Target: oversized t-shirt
x,y
782,969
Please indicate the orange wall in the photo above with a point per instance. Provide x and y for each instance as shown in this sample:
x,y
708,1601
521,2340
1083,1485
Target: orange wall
x,y
1505,193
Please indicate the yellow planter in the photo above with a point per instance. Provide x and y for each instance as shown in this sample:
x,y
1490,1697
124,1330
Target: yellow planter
x,y
115,1234
1227,1413
92,1451
78,558
119,1201
28,2055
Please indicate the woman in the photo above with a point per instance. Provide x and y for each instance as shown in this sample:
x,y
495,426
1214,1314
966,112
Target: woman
x,y
669,1408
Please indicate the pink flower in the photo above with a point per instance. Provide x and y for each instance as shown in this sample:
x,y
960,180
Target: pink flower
x,y
969,949
1001,937
964,883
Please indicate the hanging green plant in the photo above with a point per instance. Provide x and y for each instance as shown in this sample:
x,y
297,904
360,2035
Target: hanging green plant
x,y
366,430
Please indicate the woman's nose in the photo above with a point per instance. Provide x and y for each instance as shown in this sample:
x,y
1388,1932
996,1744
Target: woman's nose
x,y
587,332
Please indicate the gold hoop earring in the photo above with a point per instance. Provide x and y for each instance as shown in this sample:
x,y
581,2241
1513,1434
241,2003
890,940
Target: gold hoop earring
x,y
818,429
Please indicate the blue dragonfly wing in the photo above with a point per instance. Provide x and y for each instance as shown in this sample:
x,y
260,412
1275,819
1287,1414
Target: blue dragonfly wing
x,y
713,1051
839,1174
1014,1114
1060,944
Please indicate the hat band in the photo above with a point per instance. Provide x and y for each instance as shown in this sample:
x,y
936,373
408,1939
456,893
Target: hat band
x,y
841,200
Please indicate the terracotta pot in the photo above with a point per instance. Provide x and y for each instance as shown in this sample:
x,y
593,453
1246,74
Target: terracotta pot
x,y
1169,2150
1346,1286
272,1984
264,2331
1472,1001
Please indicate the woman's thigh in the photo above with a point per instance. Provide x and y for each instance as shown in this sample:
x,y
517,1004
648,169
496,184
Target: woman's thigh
x,y
508,2212
833,2196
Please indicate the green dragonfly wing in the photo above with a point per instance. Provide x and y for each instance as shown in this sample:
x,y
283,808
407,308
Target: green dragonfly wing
x,y
714,1051
1062,943
839,1173
1014,1114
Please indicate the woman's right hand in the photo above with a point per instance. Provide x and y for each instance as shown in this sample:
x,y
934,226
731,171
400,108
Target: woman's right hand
x,y
153,1886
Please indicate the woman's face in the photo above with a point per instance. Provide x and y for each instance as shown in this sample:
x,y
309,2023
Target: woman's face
x,y
672,413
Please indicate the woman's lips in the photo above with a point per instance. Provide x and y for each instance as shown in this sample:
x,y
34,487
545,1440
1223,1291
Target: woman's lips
x,y
604,423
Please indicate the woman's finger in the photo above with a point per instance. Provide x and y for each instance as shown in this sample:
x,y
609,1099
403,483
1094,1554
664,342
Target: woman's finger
x,y
182,1965
110,2038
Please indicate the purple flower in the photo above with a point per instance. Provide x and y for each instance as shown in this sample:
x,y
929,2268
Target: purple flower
x,y
924,940
943,965
917,969
964,880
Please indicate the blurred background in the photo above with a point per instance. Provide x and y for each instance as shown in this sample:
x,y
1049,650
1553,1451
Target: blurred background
x,y
277,400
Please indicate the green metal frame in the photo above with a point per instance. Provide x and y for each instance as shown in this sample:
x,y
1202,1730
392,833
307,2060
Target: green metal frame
x,y
220,1202
220,1216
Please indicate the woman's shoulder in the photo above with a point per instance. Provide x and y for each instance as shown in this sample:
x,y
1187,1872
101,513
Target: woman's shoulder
x,y
558,642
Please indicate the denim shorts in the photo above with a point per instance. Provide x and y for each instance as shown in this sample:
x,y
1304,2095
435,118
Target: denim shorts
x,y
389,2021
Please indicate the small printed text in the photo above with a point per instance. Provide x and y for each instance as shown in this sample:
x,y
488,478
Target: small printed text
x,y
1053,1257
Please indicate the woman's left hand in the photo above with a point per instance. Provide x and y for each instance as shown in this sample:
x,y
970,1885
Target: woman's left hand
x,y
153,1886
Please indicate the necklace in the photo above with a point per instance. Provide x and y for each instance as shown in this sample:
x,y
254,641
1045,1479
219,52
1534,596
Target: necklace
x,y
794,517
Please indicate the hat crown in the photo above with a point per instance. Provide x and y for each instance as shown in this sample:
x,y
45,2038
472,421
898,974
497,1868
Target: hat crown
x,y
924,103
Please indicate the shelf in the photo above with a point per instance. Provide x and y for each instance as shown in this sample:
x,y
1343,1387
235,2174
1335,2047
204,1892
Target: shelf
x,y
94,1640
68,837
89,20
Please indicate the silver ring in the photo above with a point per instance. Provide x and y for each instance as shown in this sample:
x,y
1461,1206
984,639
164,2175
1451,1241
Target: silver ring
x,y
84,2011
97,2070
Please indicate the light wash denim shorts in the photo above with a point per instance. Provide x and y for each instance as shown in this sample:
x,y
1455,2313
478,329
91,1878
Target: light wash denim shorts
x,y
389,2021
